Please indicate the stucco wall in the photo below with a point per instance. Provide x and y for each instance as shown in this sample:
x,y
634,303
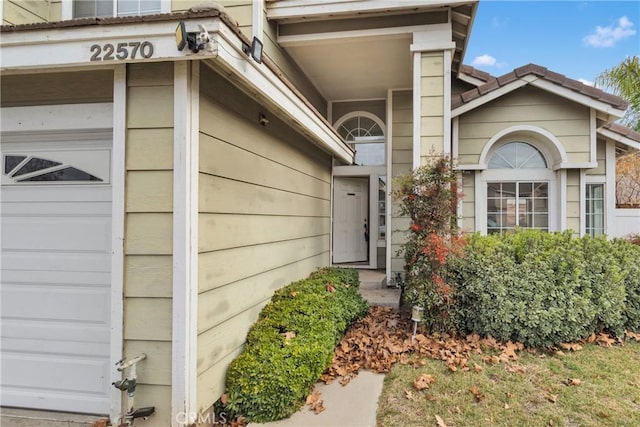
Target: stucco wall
x,y
264,221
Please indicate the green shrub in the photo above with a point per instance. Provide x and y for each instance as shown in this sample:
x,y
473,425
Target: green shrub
x,y
544,288
628,257
292,343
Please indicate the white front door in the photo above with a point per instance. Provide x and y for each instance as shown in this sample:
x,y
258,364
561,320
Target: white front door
x,y
55,207
350,219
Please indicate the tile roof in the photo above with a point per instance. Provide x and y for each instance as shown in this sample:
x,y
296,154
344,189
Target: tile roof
x,y
474,72
494,83
106,20
624,131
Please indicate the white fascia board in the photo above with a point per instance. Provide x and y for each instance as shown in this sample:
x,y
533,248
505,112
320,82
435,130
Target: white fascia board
x,y
434,37
619,138
488,97
49,48
339,36
577,97
307,9
263,81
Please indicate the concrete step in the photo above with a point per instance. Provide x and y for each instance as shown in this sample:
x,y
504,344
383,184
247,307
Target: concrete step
x,y
383,297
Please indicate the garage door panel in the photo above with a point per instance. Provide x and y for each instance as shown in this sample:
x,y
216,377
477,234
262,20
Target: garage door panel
x,y
56,281
56,303
30,193
81,375
55,278
60,337
25,261
79,209
52,233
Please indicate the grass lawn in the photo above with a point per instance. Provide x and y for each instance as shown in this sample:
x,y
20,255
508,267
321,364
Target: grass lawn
x,y
596,386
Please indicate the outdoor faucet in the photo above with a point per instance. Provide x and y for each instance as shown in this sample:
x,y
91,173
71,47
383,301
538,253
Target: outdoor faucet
x,y
129,385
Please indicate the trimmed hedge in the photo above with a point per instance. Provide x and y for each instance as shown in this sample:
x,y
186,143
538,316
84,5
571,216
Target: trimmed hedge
x,y
292,344
543,288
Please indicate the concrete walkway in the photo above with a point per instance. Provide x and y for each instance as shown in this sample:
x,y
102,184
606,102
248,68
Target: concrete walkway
x,y
356,404
353,405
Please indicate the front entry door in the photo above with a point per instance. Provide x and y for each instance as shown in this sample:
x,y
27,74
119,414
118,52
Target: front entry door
x,y
350,220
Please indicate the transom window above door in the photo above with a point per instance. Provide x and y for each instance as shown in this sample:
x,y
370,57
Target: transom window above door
x,y
365,134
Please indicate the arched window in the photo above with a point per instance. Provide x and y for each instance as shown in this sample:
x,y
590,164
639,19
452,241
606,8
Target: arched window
x,y
364,132
517,155
521,202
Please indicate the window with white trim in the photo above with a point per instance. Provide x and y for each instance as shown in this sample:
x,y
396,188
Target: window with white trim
x,y
517,203
594,214
91,8
366,136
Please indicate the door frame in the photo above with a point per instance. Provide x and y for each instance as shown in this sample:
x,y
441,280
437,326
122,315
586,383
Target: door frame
x,y
88,121
372,173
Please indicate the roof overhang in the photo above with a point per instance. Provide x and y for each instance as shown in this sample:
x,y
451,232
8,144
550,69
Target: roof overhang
x,y
368,41
619,138
607,113
70,45
305,10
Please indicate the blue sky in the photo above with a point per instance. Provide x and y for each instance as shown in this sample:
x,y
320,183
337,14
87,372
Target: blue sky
x,y
576,38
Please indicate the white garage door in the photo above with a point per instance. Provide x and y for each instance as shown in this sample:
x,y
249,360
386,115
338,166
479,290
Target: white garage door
x,y
56,234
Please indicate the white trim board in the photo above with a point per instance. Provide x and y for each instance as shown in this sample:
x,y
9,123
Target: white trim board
x,y
417,107
117,232
185,244
619,138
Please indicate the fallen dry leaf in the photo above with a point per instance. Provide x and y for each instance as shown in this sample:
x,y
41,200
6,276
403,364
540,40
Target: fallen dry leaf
x,y
224,399
516,369
423,381
635,336
440,422
571,346
288,335
101,423
506,406
605,340
331,287
477,394
294,293
477,368
553,398
408,394
573,381
315,403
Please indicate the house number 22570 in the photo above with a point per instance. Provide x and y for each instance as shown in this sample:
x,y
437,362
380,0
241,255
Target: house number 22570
x,y
130,50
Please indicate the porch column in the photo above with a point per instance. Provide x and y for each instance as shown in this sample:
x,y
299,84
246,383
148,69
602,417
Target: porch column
x,y
432,56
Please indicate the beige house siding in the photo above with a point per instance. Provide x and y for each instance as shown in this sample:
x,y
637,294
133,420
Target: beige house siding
x,y
573,200
432,104
566,120
264,221
148,232
240,10
601,158
56,88
30,11
468,223
401,163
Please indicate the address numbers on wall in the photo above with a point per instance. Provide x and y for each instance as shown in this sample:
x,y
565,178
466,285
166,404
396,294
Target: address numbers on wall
x,y
121,51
